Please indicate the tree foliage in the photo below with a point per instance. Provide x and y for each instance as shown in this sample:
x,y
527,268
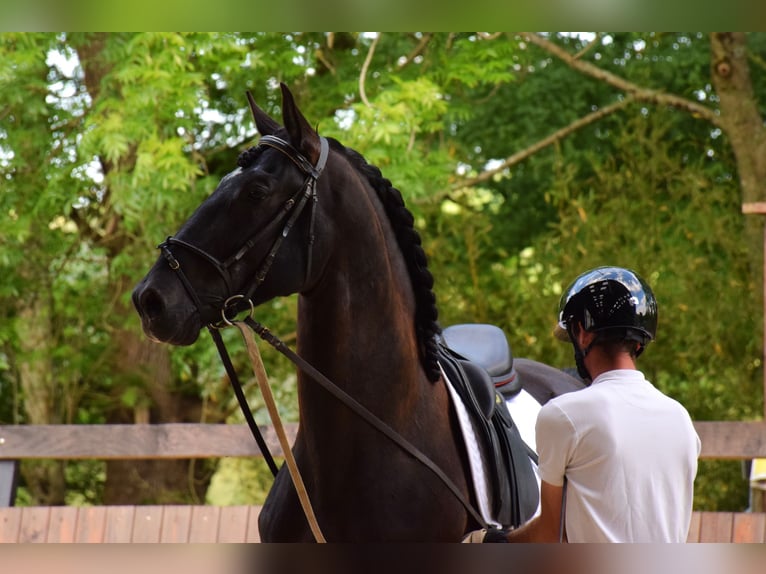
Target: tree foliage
x,y
526,159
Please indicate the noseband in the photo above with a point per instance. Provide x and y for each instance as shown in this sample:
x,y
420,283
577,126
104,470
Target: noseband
x,y
291,211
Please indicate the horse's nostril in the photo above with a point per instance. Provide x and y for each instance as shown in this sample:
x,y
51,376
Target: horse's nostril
x,y
151,303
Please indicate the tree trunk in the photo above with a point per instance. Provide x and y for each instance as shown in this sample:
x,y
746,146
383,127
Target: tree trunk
x,y
144,389
44,479
145,368
147,365
742,123
744,127
739,110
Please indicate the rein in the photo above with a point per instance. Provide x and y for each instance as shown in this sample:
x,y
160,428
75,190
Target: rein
x,y
292,466
362,411
291,210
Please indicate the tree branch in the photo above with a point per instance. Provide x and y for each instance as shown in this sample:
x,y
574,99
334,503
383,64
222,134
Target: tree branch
x,y
365,66
596,39
633,93
639,94
325,62
520,156
417,51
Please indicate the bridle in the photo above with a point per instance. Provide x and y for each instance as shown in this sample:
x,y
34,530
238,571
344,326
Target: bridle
x,y
290,212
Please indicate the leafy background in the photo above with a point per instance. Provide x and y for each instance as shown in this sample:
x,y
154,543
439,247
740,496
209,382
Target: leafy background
x,y
108,142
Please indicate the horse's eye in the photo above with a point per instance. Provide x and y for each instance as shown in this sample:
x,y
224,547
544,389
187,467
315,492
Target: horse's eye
x,y
258,192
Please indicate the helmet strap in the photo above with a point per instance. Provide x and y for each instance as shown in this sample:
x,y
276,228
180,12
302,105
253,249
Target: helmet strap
x,y
580,354
582,370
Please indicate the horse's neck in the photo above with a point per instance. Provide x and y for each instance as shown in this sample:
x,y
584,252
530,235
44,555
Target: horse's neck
x,y
362,327
357,325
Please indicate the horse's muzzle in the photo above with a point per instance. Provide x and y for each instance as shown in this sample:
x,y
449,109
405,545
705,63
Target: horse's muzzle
x,y
166,316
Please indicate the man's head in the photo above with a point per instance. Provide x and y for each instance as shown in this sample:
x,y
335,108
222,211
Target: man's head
x,y
614,304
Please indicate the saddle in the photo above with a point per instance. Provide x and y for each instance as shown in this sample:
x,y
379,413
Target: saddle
x,y
478,362
487,346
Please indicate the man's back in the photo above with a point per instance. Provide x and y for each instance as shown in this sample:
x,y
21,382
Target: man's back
x,y
630,456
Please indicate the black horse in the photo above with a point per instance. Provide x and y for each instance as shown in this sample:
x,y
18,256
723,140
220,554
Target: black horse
x,y
304,214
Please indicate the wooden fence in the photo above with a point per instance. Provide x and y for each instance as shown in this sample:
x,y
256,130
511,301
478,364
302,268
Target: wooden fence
x,y
720,440
231,524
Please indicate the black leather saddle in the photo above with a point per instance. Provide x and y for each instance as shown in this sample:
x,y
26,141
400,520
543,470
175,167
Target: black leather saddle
x,y
478,362
487,346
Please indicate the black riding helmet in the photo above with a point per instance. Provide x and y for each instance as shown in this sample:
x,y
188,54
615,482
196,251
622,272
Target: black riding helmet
x,y
613,301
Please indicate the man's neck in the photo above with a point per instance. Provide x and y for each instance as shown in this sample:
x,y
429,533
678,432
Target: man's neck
x,y
599,362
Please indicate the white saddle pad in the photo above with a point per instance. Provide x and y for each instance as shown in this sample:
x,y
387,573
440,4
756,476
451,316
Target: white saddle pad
x,y
523,409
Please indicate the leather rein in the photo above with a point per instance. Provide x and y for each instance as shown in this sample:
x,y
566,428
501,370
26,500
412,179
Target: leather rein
x,y
291,212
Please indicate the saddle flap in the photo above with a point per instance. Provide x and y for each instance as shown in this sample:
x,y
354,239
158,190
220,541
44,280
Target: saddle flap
x,y
482,387
473,383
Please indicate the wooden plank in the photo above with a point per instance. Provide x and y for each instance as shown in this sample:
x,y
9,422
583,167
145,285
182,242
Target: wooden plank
x,y
720,439
725,440
253,534
91,524
210,524
61,524
176,523
694,528
167,441
204,524
716,526
757,207
749,527
147,524
233,524
119,523
732,440
34,524
10,524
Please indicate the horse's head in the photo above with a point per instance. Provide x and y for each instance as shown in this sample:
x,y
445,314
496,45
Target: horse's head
x,y
250,241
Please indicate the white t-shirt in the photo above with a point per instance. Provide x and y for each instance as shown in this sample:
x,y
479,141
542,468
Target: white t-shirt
x,y
629,453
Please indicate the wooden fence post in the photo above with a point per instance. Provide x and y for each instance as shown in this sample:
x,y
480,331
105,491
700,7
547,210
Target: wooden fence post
x,y
9,472
759,208
757,498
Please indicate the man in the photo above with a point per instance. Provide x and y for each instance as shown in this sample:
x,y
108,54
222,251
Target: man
x,y
618,458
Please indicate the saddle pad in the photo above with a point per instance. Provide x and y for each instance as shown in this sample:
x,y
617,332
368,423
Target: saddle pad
x,y
476,456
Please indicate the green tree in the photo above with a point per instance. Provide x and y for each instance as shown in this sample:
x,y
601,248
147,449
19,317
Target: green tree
x,y
525,158
105,139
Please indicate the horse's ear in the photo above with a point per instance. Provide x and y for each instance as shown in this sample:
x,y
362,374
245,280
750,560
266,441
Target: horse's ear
x,y
302,135
265,124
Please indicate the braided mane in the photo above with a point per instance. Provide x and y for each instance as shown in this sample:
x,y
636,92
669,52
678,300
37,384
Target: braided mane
x,y
402,221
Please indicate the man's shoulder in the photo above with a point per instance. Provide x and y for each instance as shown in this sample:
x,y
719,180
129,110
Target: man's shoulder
x,y
580,396
568,405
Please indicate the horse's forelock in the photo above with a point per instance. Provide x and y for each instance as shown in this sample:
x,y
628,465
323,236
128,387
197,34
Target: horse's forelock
x,y
248,157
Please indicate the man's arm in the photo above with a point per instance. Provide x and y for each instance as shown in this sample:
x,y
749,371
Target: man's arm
x,y
545,527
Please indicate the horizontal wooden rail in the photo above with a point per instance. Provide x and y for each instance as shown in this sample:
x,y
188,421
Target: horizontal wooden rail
x,y
732,439
166,441
722,440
